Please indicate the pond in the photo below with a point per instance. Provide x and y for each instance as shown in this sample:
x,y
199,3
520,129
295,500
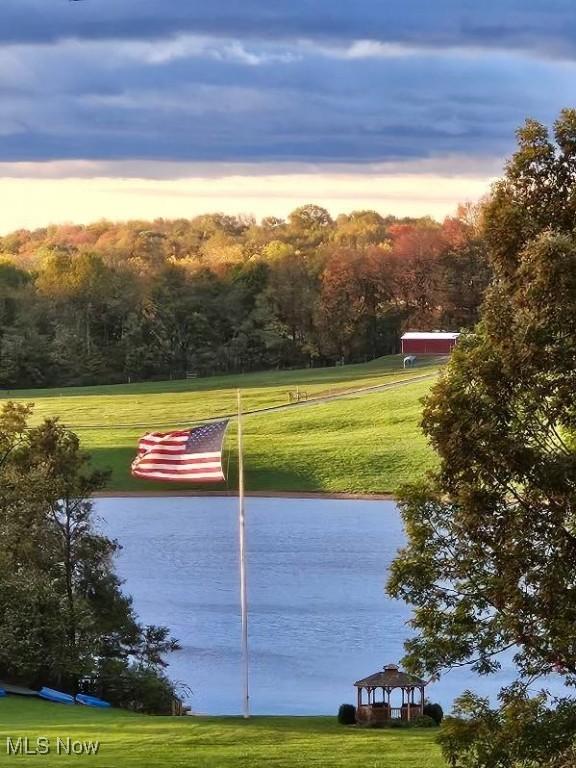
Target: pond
x,y
319,617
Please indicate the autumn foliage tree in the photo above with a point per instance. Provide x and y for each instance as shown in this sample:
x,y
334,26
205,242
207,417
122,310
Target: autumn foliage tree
x,y
110,302
356,293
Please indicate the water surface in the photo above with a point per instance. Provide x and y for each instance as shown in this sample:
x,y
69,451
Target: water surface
x,y
319,616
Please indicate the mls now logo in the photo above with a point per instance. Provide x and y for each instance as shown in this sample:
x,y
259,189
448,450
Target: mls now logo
x,y
43,745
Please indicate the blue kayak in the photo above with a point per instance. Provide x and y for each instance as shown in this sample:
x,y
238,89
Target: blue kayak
x,y
91,701
51,695
2,692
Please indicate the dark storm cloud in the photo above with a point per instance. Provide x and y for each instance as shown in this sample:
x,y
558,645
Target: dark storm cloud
x,y
259,82
110,101
546,26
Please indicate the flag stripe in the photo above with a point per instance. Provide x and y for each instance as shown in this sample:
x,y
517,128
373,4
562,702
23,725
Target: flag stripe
x,y
164,440
176,445
180,466
199,457
177,478
176,472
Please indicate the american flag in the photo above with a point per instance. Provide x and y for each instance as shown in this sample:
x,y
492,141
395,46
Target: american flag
x,y
190,455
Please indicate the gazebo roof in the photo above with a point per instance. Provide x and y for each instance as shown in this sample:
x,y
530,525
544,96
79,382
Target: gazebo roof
x,y
390,677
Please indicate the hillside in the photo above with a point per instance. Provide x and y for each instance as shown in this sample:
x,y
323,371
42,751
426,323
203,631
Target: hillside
x,y
362,442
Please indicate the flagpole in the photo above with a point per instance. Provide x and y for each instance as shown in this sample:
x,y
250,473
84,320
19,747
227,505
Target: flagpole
x,y
243,588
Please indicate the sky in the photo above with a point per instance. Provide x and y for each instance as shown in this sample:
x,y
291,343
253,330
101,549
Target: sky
x,y
143,108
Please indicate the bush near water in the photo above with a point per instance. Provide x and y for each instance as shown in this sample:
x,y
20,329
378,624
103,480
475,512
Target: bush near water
x,y
347,714
434,711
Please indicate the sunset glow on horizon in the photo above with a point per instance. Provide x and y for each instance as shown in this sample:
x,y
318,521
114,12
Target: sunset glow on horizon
x,y
33,202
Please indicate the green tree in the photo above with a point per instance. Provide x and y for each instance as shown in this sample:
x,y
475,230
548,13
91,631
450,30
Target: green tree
x,y
309,226
25,356
62,611
489,563
293,294
360,229
12,284
464,275
355,316
523,733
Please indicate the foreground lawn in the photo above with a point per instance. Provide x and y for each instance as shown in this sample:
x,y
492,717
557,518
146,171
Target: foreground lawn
x,y
263,742
364,443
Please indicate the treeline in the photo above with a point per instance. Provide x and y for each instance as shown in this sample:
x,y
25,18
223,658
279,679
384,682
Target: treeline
x,y
113,302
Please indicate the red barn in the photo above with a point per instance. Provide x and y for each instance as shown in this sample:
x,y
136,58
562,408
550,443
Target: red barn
x,y
428,342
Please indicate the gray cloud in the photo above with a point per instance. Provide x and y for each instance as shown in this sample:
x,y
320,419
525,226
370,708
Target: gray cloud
x,y
544,26
281,82
448,166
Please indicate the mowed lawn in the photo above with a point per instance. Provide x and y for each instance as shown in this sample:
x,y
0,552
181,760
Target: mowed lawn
x,y
135,741
364,443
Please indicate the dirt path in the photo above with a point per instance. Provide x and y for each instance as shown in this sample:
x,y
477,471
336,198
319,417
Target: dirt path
x,y
349,393
319,400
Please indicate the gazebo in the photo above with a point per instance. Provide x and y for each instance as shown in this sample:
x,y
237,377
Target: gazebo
x,y
379,707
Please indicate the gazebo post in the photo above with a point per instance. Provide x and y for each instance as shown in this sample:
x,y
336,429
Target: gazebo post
x,y
408,712
359,700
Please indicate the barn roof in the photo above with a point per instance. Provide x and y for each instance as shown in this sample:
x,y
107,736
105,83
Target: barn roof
x,y
390,677
431,335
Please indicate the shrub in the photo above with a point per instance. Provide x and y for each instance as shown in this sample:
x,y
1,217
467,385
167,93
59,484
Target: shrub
x,y
434,711
133,686
347,714
424,721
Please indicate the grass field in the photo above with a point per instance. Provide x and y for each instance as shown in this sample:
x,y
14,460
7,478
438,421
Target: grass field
x,y
134,741
363,443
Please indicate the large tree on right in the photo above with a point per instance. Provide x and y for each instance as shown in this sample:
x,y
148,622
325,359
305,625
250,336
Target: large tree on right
x,y
490,563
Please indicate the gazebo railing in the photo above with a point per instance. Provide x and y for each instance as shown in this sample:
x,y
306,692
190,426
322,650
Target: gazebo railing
x,y
384,712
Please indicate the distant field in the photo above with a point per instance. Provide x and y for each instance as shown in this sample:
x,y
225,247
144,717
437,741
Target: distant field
x,y
364,443
133,741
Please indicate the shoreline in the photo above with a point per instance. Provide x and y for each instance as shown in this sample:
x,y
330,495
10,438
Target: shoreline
x,y
254,494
